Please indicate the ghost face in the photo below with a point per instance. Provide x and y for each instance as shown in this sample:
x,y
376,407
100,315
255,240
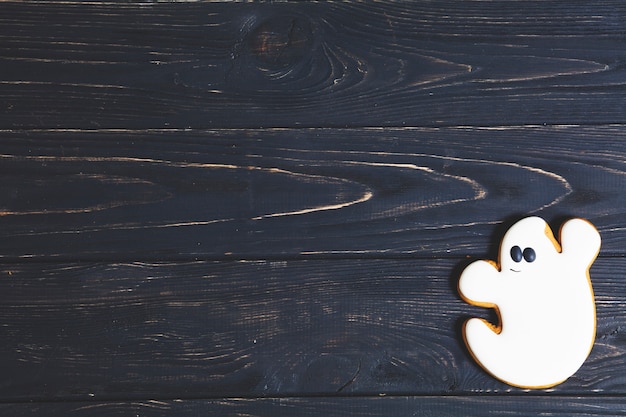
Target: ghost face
x,y
529,250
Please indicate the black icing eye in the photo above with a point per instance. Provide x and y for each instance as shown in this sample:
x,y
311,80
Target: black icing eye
x,y
516,253
529,255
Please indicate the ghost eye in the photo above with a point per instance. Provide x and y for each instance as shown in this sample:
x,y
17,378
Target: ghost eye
x,y
529,255
516,253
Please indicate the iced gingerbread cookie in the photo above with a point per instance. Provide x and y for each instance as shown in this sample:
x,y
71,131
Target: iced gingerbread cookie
x,y
542,293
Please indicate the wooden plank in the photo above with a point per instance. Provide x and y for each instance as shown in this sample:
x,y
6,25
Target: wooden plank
x,y
336,407
165,195
141,331
210,65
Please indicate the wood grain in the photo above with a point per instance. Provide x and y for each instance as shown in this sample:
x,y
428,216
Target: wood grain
x,y
161,331
262,209
166,195
212,65
478,406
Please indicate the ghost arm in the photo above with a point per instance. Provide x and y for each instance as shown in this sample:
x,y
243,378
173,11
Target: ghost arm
x,y
479,283
580,241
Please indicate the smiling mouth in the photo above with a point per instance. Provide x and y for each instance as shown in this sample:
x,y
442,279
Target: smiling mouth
x,y
514,270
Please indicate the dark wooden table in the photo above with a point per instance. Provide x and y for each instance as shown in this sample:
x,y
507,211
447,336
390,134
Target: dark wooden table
x,y
263,209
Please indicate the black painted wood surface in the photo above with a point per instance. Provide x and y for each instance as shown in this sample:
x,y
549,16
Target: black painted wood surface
x,y
263,328
302,192
476,406
164,65
263,209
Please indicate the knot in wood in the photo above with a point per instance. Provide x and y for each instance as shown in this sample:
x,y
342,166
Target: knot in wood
x,y
281,42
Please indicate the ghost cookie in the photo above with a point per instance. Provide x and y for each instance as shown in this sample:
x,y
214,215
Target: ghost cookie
x,y
542,294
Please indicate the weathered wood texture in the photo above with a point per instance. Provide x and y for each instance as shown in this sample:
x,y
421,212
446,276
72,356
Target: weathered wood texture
x,y
480,406
156,65
268,193
261,328
263,209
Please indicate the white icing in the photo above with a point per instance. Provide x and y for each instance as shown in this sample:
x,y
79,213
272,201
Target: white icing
x,y
546,307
